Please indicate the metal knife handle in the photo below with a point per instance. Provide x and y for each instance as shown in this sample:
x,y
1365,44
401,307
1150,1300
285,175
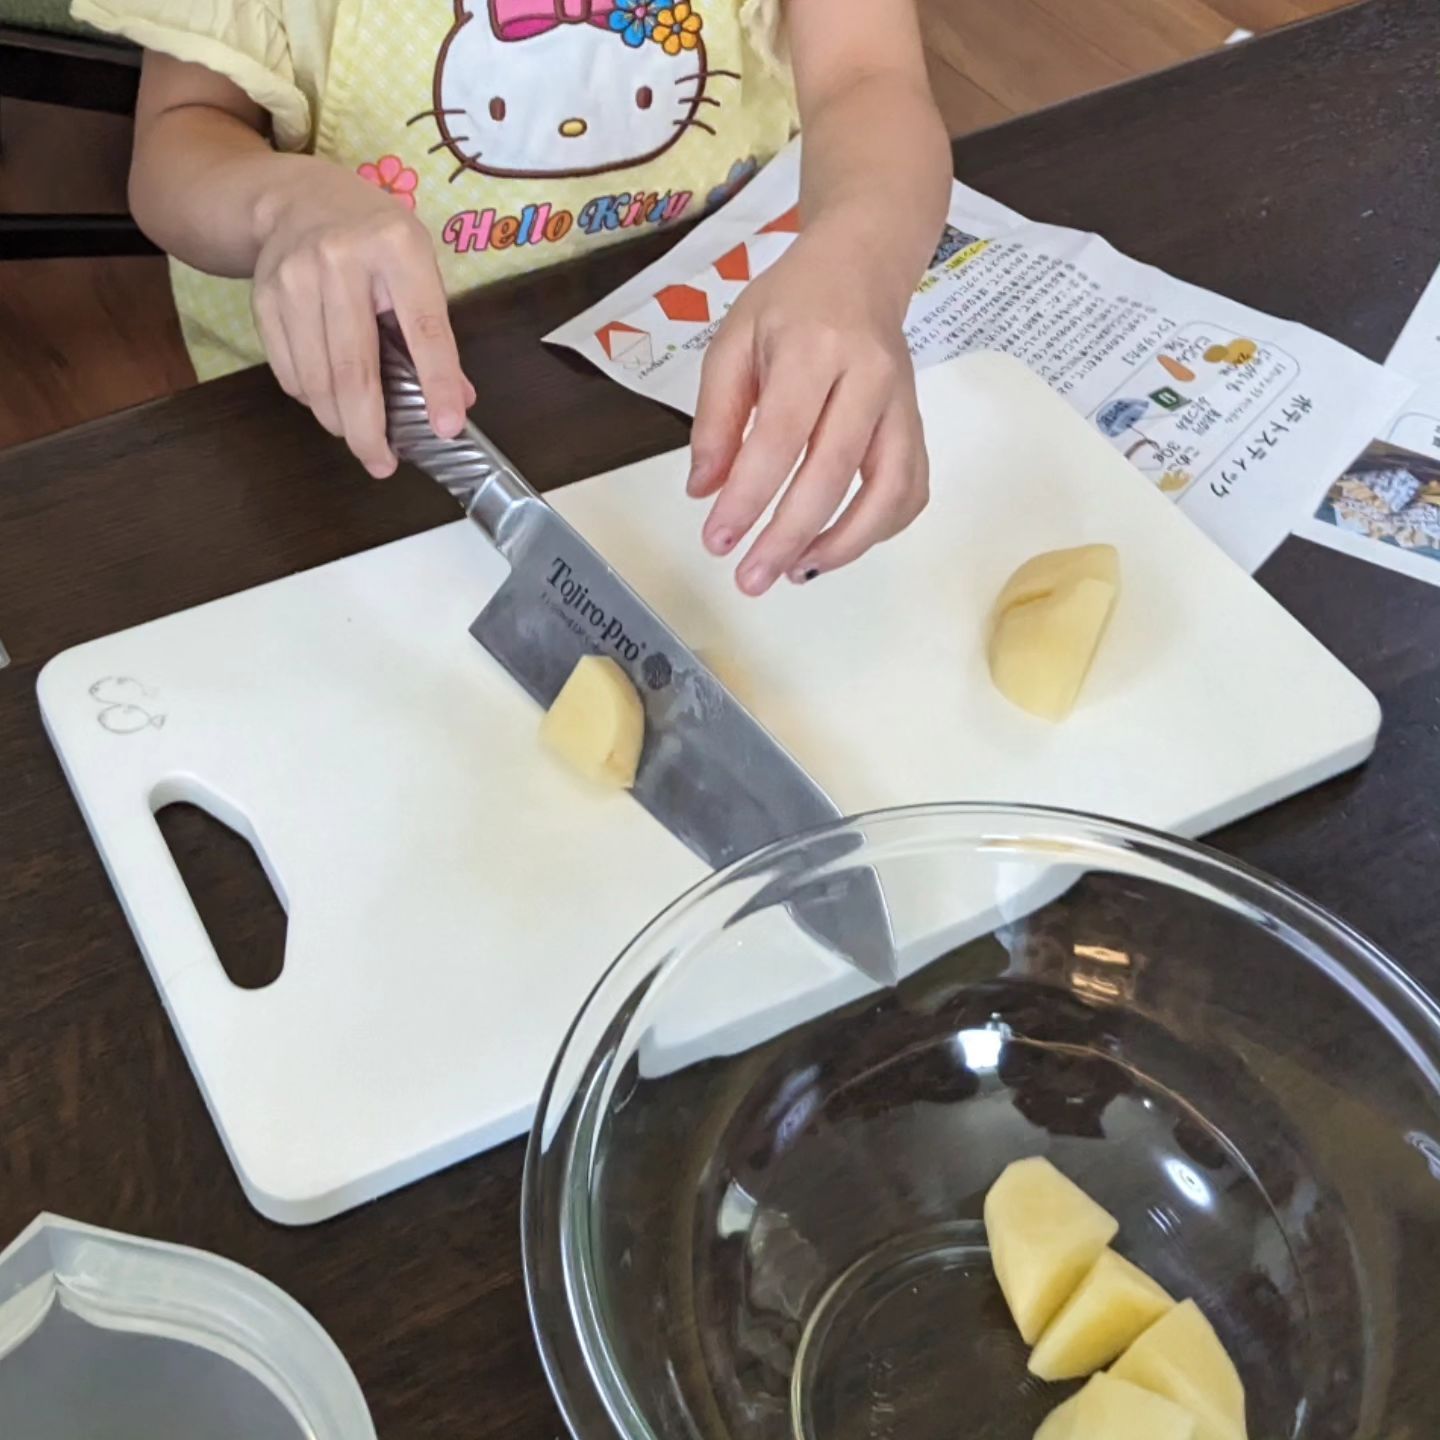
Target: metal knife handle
x,y
487,486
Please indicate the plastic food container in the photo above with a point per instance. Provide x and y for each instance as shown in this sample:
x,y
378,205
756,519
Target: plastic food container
x,y
754,1187
107,1337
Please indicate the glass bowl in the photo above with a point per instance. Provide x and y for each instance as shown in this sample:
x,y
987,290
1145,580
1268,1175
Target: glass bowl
x,y
753,1190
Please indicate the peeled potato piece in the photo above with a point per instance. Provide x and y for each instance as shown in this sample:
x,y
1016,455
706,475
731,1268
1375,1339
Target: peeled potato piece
x,y
1045,1232
597,723
1047,624
1181,1357
1044,573
1114,1303
1110,1409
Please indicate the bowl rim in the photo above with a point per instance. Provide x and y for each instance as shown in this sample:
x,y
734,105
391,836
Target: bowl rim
x,y
584,1400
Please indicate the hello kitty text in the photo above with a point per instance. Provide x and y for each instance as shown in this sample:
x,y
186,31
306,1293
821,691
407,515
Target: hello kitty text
x,y
485,230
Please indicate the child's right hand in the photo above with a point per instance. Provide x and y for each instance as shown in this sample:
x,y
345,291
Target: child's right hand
x,y
335,253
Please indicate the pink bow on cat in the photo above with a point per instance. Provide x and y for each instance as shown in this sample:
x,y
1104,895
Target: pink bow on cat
x,y
520,19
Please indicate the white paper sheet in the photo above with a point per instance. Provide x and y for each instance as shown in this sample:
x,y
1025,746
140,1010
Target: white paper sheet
x,y
1385,507
1417,352
1241,417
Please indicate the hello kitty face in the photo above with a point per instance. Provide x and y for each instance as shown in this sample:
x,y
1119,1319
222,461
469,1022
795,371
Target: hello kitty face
x,y
533,88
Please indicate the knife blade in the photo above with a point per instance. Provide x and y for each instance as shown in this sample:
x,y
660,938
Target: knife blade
x,y
709,772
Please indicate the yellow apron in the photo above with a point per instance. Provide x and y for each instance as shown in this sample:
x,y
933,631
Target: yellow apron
x,y
522,132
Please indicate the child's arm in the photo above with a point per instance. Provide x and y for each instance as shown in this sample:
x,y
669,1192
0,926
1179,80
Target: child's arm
x,y
327,251
815,344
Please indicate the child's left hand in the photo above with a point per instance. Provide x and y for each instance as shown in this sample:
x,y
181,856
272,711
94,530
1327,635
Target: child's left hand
x,y
821,359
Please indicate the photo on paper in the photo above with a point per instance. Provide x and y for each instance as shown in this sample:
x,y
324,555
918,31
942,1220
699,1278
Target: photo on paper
x,y
952,241
1390,496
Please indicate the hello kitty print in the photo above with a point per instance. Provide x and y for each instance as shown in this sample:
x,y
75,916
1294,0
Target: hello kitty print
x,y
564,89
519,133
529,89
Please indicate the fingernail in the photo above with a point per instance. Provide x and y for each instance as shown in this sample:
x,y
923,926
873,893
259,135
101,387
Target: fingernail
x,y
754,578
446,423
803,577
720,542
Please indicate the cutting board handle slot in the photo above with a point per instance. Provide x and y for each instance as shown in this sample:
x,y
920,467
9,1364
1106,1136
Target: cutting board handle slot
x,y
225,871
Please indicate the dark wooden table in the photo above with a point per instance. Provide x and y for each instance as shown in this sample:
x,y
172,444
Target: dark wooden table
x,y
1298,174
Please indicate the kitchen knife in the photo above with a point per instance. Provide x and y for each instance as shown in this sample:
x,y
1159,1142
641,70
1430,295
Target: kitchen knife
x,y
709,772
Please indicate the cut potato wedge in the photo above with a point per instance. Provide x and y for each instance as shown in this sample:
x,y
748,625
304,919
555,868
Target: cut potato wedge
x,y
1045,1232
597,723
1110,1409
1045,573
1181,1357
1047,624
1114,1303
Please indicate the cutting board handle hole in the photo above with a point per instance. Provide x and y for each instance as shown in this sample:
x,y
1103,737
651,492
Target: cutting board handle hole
x,y
232,885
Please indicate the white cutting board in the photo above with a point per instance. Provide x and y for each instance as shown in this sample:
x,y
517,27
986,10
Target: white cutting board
x,y
453,894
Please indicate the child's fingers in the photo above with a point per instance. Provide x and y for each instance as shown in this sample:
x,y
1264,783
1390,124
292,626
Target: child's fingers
x,y
303,320
785,415
353,341
271,330
895,489
727,396
418,299
834,455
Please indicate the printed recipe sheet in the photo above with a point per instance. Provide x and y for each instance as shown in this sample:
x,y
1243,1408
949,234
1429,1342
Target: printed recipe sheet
x,y
1241,418
1385,507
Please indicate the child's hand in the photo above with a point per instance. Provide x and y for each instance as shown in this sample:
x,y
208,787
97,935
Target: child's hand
x,y
821,359
336,252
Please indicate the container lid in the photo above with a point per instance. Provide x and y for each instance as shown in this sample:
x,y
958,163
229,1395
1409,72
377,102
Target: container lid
x,y
105,1333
